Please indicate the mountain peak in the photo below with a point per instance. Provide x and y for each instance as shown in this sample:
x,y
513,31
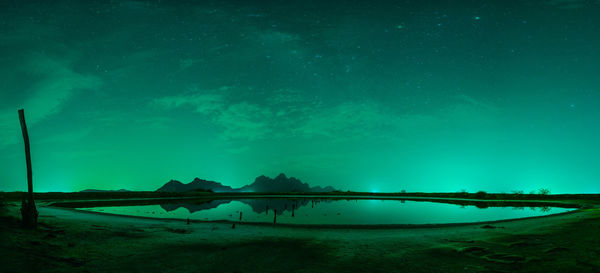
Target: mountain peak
x,y
281,176
281,183
194,185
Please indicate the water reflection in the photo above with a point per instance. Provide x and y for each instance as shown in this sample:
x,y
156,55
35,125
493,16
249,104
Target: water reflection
x,y
325,211
259,206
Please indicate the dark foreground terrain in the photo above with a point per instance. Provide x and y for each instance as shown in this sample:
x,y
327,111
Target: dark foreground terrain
x,y
71,241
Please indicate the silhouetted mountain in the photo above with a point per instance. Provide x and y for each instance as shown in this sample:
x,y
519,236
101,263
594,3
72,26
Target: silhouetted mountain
x,y
195,185
94,190
281,183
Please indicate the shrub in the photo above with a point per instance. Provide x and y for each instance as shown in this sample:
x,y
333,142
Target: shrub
x,y
517,194
480,195
544,191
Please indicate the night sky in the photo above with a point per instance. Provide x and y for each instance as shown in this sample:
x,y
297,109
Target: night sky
x,y
378,96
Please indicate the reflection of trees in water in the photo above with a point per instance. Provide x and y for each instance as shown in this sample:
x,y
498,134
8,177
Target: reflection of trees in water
x,y
541,208
258,205
481,205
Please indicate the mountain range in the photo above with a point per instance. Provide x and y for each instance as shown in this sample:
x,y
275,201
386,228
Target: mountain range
x,y
281,183
196,185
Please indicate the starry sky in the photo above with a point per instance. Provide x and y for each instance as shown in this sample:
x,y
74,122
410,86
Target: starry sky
x,y
377,96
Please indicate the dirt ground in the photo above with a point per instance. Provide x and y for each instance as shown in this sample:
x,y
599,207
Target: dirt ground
x,y
70,241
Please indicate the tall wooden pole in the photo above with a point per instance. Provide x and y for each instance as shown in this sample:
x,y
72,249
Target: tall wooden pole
x,y
28,210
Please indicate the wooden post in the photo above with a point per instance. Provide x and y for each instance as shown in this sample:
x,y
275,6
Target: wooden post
x,y
28,210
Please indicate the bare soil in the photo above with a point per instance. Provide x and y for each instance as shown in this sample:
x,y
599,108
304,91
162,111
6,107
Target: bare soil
x,y
70,241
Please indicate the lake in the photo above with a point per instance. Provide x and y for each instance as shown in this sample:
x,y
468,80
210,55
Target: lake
x,y
304,211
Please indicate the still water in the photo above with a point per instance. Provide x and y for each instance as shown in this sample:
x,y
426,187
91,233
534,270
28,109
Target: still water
x,y
329,212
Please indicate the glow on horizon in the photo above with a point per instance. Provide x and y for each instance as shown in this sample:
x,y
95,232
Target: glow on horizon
x,y
465,97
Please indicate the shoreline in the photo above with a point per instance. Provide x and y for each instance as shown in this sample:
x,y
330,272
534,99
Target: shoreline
x,y
68,240
327,226
461,201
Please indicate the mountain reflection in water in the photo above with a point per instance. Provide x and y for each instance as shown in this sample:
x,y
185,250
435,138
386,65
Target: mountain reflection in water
x,y
259,206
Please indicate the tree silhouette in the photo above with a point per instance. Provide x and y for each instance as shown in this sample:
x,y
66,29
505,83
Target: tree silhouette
x,y
28,211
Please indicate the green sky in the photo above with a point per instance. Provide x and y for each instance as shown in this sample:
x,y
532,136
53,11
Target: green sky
x,y
360,95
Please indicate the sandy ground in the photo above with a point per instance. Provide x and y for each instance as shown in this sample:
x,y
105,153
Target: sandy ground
x,y
72,241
